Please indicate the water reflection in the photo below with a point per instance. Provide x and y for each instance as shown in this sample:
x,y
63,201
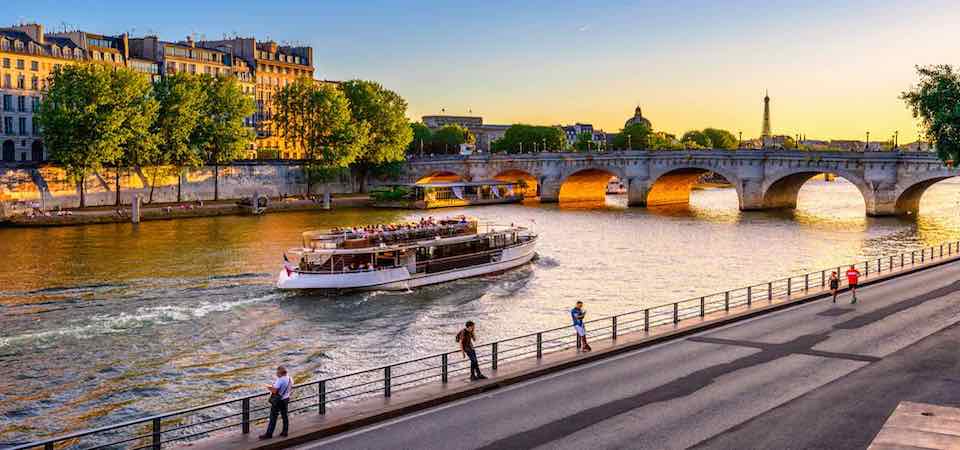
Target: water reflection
x,y
102,323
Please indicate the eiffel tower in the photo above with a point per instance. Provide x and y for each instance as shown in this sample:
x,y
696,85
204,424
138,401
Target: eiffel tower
x,y
766,115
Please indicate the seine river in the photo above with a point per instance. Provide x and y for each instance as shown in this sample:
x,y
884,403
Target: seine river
x,y
105,323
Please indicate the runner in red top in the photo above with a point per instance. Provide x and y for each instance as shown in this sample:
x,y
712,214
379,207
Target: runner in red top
x,y
853,276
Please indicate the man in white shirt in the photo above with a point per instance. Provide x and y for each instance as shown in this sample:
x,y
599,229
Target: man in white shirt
x,y
279,399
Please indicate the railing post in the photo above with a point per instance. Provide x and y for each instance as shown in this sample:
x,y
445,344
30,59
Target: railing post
x,y
245,416
923,255
901,260
676,313
806,282
540,345
866,268
646,320
749,295
770,291
941,250
386,381
726,301
613,327
156,434
703,306
493,355
444,370
891,263
823,278
322,396
879,265
913,257
789,286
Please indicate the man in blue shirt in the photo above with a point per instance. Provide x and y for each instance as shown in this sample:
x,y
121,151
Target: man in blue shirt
x,y
577,314
279,399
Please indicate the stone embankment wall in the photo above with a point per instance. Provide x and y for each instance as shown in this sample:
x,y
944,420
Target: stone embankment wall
x,y
49,187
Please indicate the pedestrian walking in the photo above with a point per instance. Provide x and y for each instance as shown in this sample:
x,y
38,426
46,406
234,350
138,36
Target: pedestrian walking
x,y
577,314
853,277
279,399
834,285
466,337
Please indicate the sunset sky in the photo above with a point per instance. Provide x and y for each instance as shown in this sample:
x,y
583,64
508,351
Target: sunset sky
x,y
833,69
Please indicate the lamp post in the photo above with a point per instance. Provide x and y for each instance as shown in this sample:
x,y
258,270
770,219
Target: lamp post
x,y
629,142
896,139
740,140
544,144
867,146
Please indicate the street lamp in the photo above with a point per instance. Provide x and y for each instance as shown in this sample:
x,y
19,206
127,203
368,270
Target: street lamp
x,y
740,141
896,139
629,142
866,147
544,144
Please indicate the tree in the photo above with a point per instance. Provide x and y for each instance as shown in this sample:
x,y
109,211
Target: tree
x,y
181,97
935,101
525,138
448,138
221,133
316,117
634,136
82,121
422,138
584,142
696,139
385,114
134,94
720,138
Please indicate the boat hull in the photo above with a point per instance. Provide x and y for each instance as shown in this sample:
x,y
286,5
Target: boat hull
x,y
400,279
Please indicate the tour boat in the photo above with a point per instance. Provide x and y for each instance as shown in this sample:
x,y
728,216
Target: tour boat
x,y
404,256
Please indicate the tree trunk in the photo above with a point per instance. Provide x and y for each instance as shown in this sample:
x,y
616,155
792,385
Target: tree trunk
x,y
309,177
117,184
362,178
179,184
83,200
216,182
153,183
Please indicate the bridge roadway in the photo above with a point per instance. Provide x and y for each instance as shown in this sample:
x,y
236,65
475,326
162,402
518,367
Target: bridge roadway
x,y
817,375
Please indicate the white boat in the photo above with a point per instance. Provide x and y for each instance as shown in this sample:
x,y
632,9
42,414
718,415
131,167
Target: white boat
x,y
406,256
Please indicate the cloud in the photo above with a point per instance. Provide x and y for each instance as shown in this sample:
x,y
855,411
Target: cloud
x,y
584,28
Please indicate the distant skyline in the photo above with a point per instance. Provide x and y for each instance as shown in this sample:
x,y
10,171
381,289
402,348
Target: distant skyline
x,y
834,70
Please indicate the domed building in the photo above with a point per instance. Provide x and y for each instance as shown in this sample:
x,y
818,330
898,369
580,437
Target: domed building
x,y
638,119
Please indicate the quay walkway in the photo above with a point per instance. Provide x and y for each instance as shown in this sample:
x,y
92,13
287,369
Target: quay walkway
x,y
773,365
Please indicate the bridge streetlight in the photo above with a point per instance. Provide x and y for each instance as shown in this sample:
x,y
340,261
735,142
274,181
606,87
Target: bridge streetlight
x,y
544,144
629,142
867,146
740,141
896,139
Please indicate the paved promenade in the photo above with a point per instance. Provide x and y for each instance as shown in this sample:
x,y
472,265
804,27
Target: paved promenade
x,y
817,375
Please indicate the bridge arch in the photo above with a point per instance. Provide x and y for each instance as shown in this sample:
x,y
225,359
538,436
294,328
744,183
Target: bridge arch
x,y
439,176
587,184
673,185
530,184
780,191
907,198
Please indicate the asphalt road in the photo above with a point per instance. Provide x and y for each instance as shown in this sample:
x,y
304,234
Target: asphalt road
x,y
814,376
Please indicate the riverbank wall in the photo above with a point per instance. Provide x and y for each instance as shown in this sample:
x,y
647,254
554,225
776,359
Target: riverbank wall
x,y
47,186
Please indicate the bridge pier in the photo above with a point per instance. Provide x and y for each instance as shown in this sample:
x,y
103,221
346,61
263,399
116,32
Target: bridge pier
x,y
550,190
637,191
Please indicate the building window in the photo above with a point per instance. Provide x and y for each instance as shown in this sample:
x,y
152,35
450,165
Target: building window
x,y
23,126
21,82
6,81
34,66
8,102
21,103
34,127
20,64
6,63
36,104
35,83
8,125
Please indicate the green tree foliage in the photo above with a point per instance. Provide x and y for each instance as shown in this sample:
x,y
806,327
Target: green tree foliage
x,y
221,133
935,101
317,118
182,98
84,120
696,139
422,137
448,138
383,113
637,136
720,138
523,137
134,94
584,142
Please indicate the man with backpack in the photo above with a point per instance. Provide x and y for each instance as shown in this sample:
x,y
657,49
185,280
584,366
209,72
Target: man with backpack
x,y
466,337
577,314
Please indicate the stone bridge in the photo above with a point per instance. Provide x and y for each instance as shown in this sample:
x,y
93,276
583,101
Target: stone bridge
x,y
891,182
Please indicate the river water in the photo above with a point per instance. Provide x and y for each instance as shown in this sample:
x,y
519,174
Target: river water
x,y
105,323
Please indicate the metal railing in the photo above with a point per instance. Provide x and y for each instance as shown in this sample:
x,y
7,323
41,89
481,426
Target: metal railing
x,y
155,431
